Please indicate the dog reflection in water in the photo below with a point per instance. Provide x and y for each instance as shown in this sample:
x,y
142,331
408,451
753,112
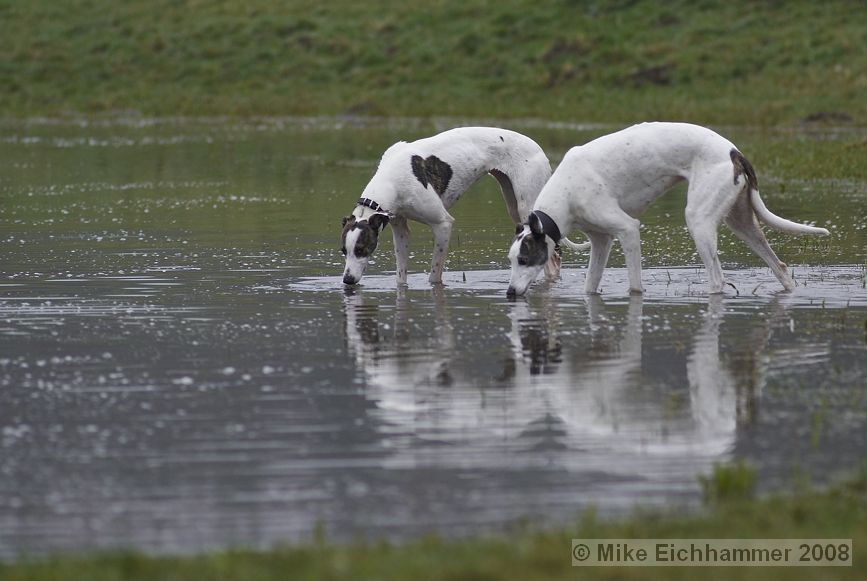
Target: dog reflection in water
x,y
584,392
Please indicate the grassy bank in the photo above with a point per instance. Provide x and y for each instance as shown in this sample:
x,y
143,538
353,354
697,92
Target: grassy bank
x,y
840,512
714,62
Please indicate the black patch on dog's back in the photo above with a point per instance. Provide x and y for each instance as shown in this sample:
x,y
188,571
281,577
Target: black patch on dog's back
x,y
742,166
433,171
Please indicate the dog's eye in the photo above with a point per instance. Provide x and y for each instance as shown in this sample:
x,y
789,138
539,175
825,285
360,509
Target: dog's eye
x,y
523,261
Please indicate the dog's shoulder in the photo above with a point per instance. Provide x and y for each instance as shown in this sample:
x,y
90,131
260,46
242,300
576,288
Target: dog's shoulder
x,y
394,151
393,158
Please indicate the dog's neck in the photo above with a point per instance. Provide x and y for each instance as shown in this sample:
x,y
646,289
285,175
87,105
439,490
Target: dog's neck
x,y
367,207
363,213
558,212
377,198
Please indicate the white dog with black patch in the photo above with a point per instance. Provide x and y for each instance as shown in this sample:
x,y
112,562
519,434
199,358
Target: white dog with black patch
x,y
603,187
421,180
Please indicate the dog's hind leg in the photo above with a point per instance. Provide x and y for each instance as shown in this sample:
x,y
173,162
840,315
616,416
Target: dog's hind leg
x,y
600,248
707,202
742,222
704,233
516,213
442,232
400,234
521,178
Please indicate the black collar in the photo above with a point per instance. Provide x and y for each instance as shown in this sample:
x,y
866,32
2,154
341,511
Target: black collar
x,y
368,203
549,226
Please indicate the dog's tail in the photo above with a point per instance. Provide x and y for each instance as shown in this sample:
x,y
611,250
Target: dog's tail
x,y
573,246
779,223
744,168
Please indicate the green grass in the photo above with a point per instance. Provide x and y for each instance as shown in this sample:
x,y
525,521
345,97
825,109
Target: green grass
x,y
839,512
732,62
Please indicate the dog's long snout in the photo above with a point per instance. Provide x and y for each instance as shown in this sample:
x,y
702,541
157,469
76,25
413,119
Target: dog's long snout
x,y
349,279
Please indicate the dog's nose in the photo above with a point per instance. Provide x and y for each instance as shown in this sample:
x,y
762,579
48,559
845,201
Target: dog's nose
x,y
511,292
349,279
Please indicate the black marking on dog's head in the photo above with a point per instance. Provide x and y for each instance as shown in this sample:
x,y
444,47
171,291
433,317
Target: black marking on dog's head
x,y
366,242
433,171
368,238
348,224
742,166
533,250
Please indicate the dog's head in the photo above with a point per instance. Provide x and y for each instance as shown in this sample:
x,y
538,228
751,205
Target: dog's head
x,y
358,242
529,253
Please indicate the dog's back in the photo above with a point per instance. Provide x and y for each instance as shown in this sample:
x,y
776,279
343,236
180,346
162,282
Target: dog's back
x,y
648,149
449,163
640,162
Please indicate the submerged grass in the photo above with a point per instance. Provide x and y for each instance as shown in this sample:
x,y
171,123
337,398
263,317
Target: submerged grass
x,y
607,60
839,512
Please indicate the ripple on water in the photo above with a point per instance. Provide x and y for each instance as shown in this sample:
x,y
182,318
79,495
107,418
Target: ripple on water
x,y
824,286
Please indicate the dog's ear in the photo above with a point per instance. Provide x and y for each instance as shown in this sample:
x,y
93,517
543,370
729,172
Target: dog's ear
x,y
535,225
378,221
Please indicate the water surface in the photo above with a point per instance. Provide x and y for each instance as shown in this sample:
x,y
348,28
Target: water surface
x,y
181,369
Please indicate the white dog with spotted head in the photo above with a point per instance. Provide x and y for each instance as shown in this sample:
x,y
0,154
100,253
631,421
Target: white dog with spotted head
x,y
421,180
603,187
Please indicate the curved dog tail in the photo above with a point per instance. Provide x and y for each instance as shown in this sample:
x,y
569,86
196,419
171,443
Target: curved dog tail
x,y
744,168
573,246
779,223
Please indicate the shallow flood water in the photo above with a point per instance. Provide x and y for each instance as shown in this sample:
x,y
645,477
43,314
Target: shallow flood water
x,y
181,368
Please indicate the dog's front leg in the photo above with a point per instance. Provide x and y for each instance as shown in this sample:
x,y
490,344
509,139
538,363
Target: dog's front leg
x,y
442,232
600,249
400,234
630,241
